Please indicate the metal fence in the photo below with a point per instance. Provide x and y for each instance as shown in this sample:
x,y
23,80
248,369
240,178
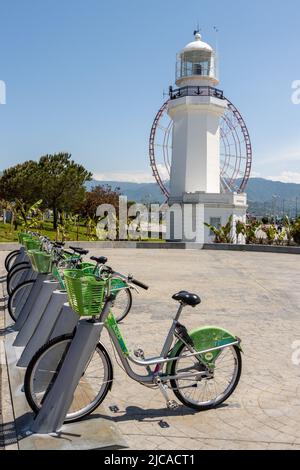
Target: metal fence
x,y
195,91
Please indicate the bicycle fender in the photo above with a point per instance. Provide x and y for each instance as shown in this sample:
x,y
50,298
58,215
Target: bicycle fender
x,y
207,337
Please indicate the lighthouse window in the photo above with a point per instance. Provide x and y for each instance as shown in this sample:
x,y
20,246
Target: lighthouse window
x,y
195,63
197,69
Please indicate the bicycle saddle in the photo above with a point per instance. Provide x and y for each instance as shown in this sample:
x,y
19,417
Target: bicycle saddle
x,y
187,298
99,260
79,251
58,244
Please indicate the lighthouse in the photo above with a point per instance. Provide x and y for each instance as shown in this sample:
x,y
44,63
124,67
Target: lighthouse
x,y
197,192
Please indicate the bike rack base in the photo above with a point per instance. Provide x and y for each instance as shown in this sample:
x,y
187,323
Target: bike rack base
x,y
97,432
58,401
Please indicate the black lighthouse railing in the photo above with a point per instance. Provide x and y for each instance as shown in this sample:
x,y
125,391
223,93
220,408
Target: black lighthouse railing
x,y
195,91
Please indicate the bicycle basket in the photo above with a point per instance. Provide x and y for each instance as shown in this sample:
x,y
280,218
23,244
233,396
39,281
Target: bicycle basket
x,y
87,268
41,262
31,244
85,292
22,236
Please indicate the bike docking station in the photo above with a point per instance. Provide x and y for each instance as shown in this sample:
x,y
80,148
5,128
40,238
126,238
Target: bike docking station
x,y
22,256
44,328
44,315
25,303
38,310
51,417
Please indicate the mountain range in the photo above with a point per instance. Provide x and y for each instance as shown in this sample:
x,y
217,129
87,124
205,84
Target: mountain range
x,y
264,196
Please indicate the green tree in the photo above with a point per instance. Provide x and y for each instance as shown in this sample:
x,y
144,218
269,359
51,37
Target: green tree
x,y
22,183
56,179
97,196
62,183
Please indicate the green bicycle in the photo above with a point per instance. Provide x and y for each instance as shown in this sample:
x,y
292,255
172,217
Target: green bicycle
x,y
53,259
202,367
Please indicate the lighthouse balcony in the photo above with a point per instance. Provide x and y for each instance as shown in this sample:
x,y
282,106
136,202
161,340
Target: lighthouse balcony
x,y
195,91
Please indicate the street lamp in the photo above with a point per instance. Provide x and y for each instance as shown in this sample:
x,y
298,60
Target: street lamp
x,y
274,197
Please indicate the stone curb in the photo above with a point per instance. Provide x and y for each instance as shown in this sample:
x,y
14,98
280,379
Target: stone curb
x,y
171,246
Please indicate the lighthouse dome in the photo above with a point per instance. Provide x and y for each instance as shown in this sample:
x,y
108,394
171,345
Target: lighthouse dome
x,y
196,64
197,45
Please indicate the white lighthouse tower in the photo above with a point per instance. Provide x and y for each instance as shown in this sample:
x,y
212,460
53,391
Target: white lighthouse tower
x,y
195,108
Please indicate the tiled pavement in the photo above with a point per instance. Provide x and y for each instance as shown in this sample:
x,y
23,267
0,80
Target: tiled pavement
x,y
257,296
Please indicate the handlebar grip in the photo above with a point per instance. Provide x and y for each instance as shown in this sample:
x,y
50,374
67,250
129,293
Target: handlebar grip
x,y
139,284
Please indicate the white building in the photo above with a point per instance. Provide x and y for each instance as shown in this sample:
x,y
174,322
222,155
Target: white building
x,y
195,190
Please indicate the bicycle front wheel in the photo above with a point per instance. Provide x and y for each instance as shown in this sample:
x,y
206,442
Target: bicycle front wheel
x,y
18,298
202,392
10,259
91,389
17,277
122,304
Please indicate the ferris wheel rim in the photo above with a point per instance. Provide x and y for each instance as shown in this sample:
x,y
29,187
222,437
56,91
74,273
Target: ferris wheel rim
x,y
247,141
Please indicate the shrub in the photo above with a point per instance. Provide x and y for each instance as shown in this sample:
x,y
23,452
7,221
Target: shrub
x,y
222,234
295,231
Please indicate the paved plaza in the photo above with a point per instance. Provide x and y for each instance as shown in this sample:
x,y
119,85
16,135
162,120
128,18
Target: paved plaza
x,y
257,297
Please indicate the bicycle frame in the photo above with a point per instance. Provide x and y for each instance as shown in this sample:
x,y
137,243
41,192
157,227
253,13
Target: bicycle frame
x,y
115,334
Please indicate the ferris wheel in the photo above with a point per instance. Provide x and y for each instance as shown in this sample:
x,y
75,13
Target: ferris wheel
x,y
235,150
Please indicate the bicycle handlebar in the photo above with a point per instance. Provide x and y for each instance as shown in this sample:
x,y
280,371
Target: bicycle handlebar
x,y
139,284
128,278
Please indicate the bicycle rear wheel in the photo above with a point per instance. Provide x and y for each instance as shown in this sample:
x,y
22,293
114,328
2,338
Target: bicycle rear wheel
x,y
204,393
93,385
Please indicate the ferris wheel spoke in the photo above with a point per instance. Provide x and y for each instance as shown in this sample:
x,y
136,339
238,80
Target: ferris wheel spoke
x,y
231,144
231,155
230,129
235,173
225,186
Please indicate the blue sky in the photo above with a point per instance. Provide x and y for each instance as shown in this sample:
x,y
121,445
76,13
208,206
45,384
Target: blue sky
x,y
87,77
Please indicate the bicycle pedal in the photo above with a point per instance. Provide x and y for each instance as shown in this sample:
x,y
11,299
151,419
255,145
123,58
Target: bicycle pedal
x,y
139,353
172,405
114,409
163,424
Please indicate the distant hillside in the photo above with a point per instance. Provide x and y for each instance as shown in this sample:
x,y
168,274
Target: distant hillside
x,y
261,195
258,189
139,192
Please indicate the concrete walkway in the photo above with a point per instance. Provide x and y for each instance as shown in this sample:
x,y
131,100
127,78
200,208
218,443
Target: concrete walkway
x,y
257,296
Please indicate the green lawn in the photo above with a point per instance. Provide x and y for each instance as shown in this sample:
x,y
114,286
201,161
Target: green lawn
x,y
7,234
